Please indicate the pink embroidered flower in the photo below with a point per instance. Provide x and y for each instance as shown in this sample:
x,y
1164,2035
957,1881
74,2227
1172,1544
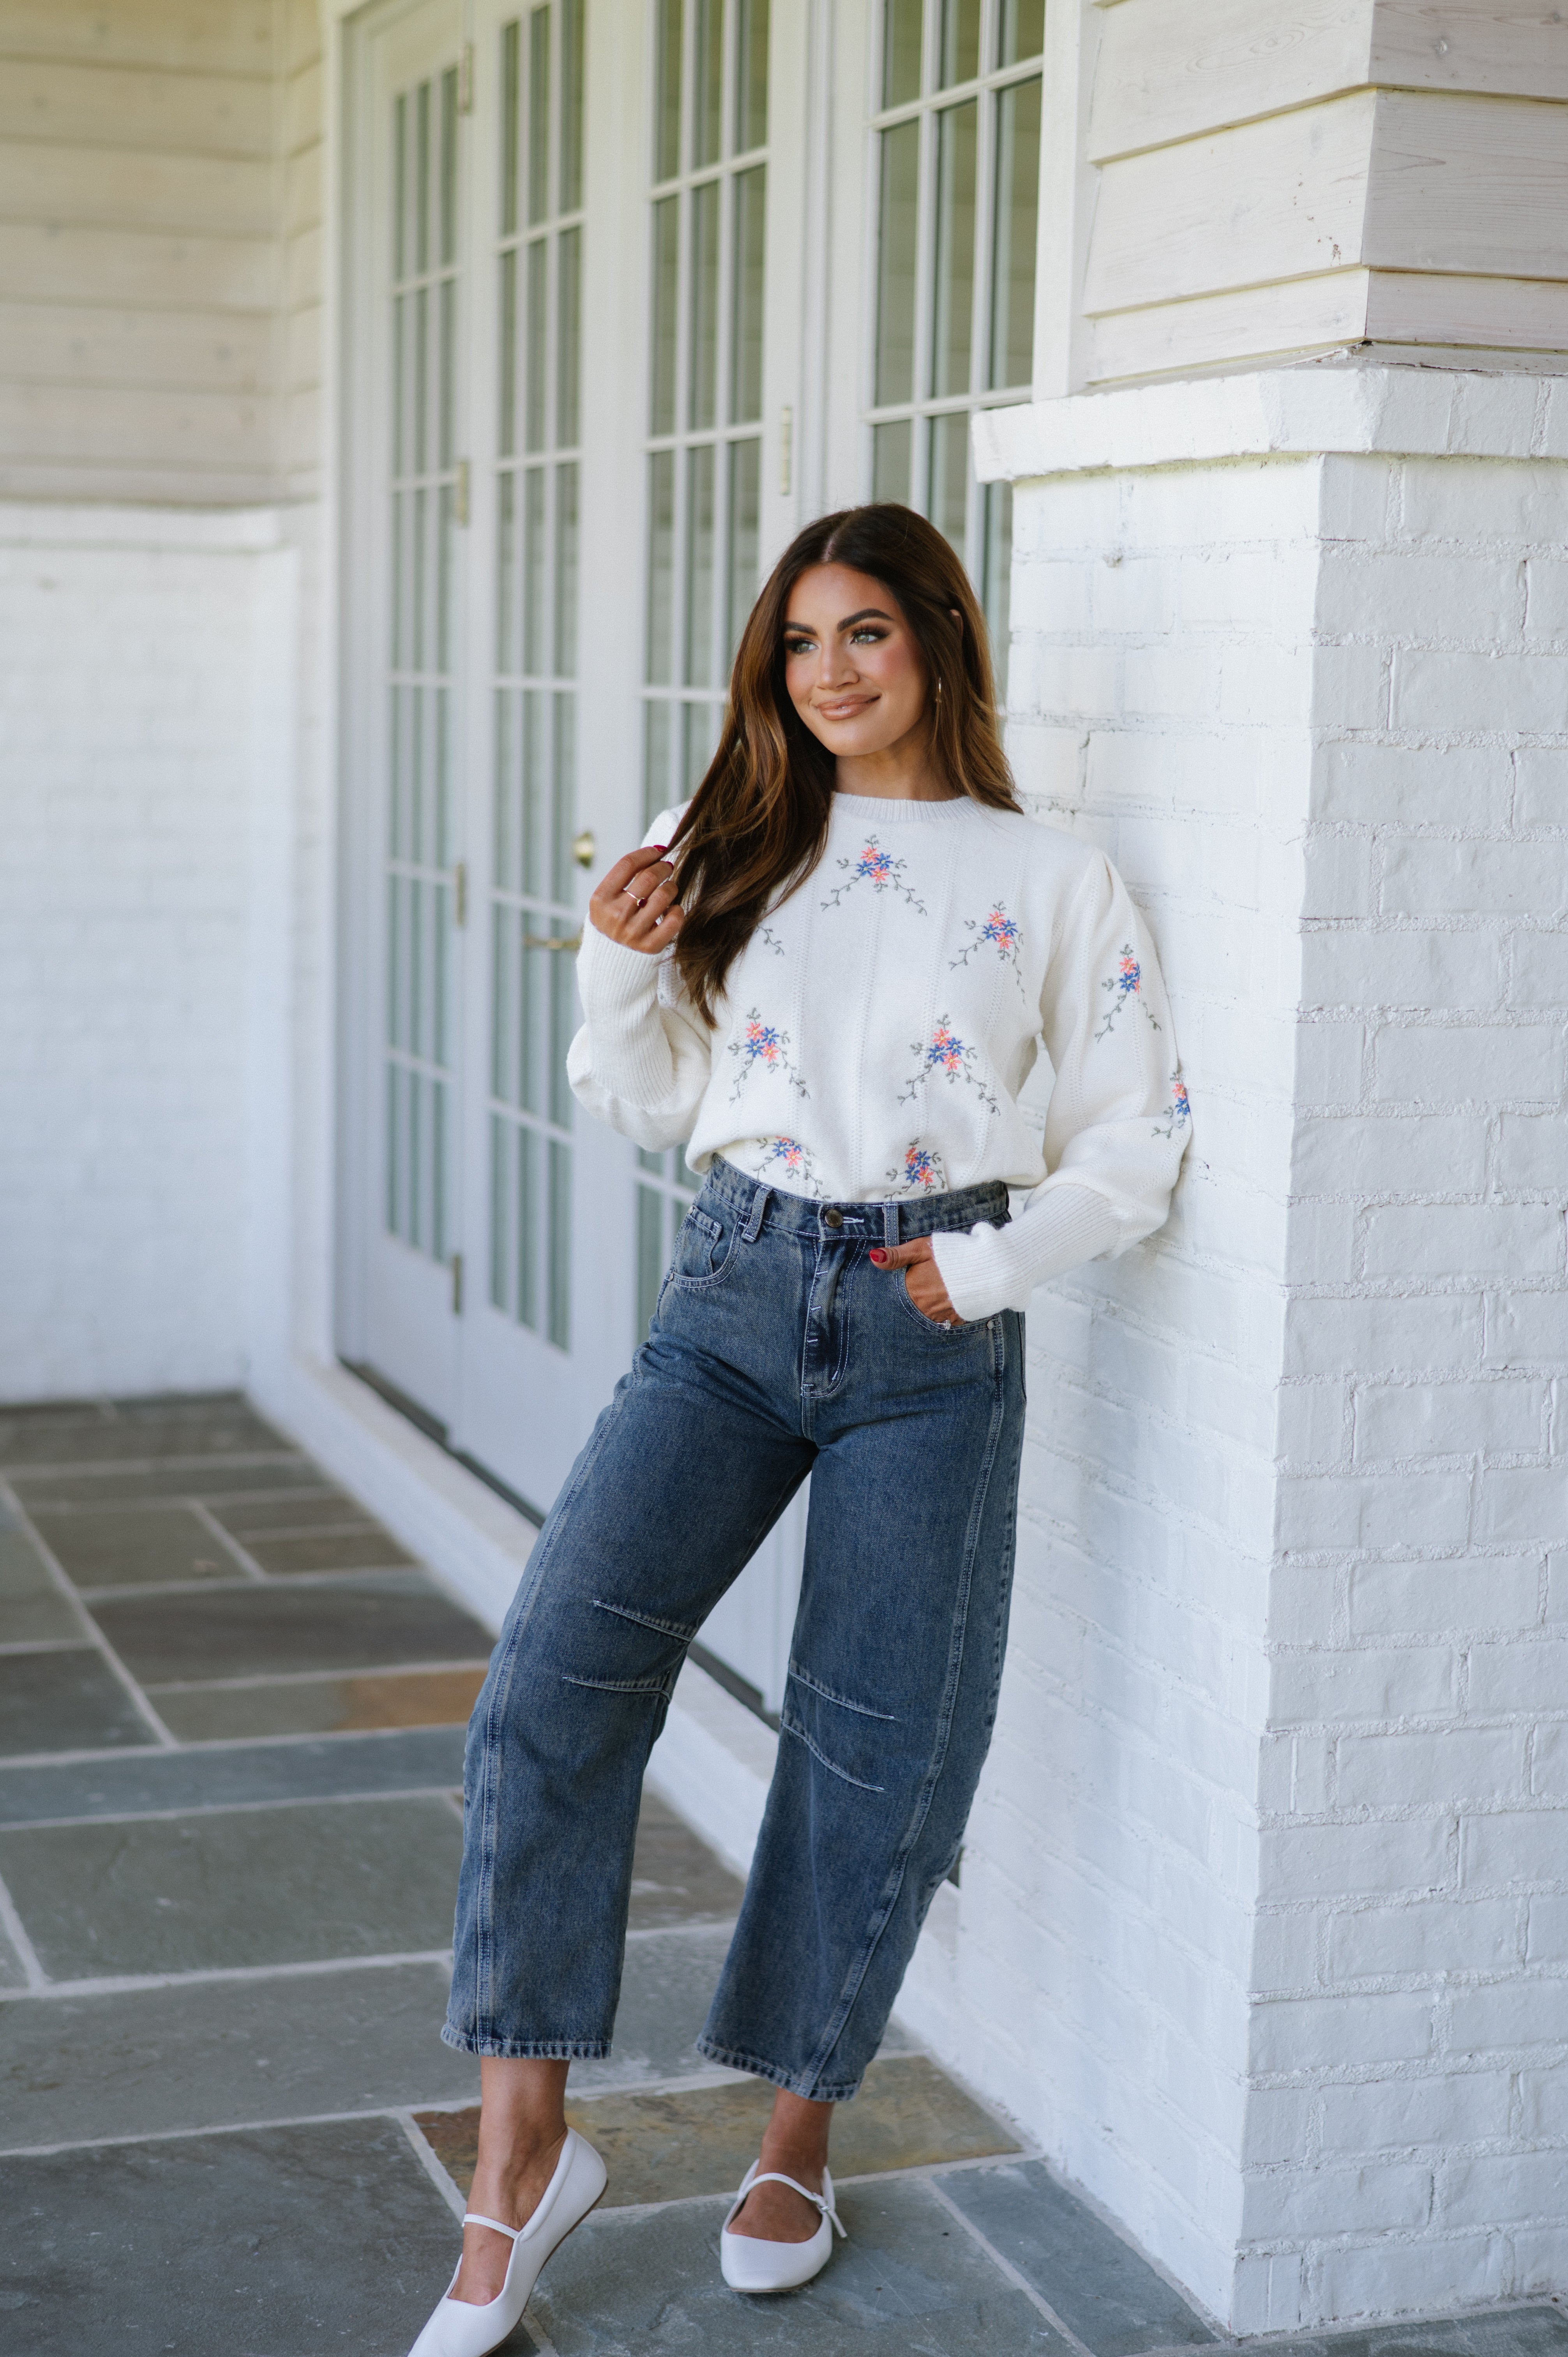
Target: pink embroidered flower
x,y
920,1168
1125,985
947,1050
1000,932
762,1040
765,1045
1179,1110
795,1160
1002,929
875,863
878,869
947,1057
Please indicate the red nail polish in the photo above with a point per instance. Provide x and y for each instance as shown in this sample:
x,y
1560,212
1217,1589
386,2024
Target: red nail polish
x,y
878,1255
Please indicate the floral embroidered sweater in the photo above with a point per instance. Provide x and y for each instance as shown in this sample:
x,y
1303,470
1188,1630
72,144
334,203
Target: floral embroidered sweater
x,y
878,1029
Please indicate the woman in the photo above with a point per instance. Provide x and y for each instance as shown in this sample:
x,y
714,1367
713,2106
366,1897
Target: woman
x,y
828,976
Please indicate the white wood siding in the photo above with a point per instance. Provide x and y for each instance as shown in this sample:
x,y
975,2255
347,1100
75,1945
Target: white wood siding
x,y
1274,178
159,249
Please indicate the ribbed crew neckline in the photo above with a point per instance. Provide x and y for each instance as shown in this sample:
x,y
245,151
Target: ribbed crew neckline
x,y
865,809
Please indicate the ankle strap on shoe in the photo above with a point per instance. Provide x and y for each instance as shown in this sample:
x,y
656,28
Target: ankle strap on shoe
x,y
822,2201
473,2218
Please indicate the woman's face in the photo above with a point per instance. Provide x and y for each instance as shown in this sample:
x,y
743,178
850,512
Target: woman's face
x,y
850,664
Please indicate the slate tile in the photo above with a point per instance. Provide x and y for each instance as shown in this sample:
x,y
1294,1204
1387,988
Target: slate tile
x,y
429,1758
342,1550
160,1428
65,1700
246,1887
152,2061
320,1706
686,2141
259,1632
321,1509
119,1546
223,1477
909,2283
1537,2332
32,1610
675,1877
274,2243
1099,2287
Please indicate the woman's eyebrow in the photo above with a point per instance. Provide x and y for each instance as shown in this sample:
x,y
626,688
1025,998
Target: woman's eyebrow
x,y
866,614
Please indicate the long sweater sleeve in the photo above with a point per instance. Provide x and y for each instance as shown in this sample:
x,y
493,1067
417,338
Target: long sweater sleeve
x,y
1118,1117
643,1058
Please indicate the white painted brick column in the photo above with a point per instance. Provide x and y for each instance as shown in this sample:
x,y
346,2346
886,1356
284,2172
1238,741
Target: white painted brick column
x,y
1263,1928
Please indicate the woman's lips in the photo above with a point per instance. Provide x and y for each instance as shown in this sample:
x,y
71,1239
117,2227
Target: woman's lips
x,y
847,708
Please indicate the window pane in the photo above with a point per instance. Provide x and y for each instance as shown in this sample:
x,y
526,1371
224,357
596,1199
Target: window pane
x,y
947,495
571,105
448,230
959,43
535,345
535,575
657,794
661,567
996,575
666,290
536,801
510,66
568,303
507,852
667,105
701,737
508,653
560,1295
745,516
705,352
650,1255
507,423
700,566
890,461
528,1226
953,289
900,174
900,52
745,330
708,98
751,76
538,115
1023,30
1013,248
566,487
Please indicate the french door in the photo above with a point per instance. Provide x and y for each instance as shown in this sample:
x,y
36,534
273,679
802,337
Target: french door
x,y
632,288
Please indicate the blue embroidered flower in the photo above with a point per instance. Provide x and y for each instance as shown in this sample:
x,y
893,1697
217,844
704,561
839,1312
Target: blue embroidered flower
x,y
880,870
1125,986
920,1171
1179,1112
1000,932
795,1160
764,1044
947,1057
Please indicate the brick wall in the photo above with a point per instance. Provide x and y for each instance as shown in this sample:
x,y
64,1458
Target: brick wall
x,y
1263,1924
1412,2124
141,771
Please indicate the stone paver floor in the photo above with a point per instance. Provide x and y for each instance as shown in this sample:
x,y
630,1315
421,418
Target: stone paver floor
x,y
231,1743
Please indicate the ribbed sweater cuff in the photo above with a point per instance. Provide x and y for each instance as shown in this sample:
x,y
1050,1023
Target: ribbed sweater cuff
x,y
619,991
987,1269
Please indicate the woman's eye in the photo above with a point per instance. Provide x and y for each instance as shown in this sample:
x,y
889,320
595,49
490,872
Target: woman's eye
x,y
798,646
868,637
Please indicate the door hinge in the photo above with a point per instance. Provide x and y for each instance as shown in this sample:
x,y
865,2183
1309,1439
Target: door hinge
x,y
460,493
466,79
456,1284
460,893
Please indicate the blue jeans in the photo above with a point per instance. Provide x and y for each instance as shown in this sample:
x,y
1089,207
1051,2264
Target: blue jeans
x,y
775,1351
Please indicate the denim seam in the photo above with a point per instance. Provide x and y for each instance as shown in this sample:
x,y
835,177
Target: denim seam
x,y
618,1685
855,1979
843,1702
787,1727
647,1621
528,2050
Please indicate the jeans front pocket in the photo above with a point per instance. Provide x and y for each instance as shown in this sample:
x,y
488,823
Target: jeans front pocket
x,y
704,1249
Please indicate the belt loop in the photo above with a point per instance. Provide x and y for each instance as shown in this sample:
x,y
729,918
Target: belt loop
x,y
758,1213
890,1225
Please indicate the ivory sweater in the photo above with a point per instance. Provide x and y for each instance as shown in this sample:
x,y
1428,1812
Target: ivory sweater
x,y
876,1031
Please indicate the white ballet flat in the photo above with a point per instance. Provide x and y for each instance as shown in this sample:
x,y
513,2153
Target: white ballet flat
x,y
750,2265
458,2327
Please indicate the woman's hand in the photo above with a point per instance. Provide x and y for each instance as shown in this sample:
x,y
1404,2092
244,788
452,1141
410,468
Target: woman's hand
x,y
634,904
923,1281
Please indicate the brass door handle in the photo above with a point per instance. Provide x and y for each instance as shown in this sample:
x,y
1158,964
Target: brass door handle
x,y
554,941
584,847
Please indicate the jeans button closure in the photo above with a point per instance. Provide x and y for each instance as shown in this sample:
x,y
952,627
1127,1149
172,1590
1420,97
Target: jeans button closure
x,y
831,1218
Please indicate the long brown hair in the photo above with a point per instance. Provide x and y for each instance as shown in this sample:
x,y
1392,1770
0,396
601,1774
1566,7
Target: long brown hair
x,y
758,821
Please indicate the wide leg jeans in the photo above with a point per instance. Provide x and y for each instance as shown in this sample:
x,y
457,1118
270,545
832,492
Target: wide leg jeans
x,y
777,1349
